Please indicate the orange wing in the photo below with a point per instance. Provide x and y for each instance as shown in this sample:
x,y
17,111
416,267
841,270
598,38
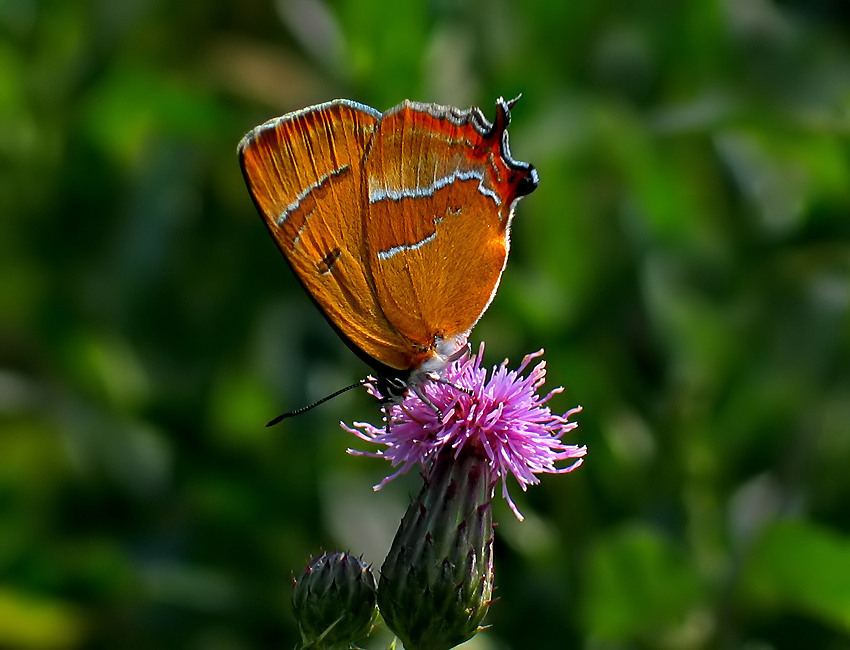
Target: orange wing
x,y
305,171
396,224
441,191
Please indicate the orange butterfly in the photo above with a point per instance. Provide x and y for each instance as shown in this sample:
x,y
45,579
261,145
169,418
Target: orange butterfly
x,y
397,224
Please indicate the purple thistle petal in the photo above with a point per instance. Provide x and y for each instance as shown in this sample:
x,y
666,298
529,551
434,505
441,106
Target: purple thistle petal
x,y
502,418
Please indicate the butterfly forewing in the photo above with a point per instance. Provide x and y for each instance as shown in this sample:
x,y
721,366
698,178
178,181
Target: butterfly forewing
x,y
305,173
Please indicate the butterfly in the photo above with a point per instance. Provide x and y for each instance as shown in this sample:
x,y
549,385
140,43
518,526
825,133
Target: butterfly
x,y
397,224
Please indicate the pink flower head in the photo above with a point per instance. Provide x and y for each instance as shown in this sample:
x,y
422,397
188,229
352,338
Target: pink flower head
x,y
502,418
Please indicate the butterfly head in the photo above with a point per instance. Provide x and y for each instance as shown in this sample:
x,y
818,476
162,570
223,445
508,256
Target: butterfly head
x,y
393,386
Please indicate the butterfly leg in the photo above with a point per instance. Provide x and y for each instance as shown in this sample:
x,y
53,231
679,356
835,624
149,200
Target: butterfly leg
x,y
435,377
426,400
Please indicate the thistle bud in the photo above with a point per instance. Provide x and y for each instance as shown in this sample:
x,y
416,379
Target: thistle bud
x,y
334,601
437,581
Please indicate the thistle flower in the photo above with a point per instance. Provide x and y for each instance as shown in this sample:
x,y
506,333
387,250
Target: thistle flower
x,y
334,601
436,583
501,418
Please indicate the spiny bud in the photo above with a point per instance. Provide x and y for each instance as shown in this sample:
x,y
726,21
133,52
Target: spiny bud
x,y
334,601
437,581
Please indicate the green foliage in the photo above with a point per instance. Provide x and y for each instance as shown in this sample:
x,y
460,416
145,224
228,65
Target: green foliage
x,y
638,586
685,263
800,568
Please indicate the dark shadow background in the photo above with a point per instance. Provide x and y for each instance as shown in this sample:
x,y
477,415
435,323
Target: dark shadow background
x,y
685,263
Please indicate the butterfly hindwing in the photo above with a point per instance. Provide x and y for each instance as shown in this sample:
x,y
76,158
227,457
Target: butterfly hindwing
x,y
440,195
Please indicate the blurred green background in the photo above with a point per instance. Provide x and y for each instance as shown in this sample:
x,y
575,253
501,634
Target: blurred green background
x,y
685,263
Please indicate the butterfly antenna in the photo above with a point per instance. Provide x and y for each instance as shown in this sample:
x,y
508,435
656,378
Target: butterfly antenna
x,y
303,409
